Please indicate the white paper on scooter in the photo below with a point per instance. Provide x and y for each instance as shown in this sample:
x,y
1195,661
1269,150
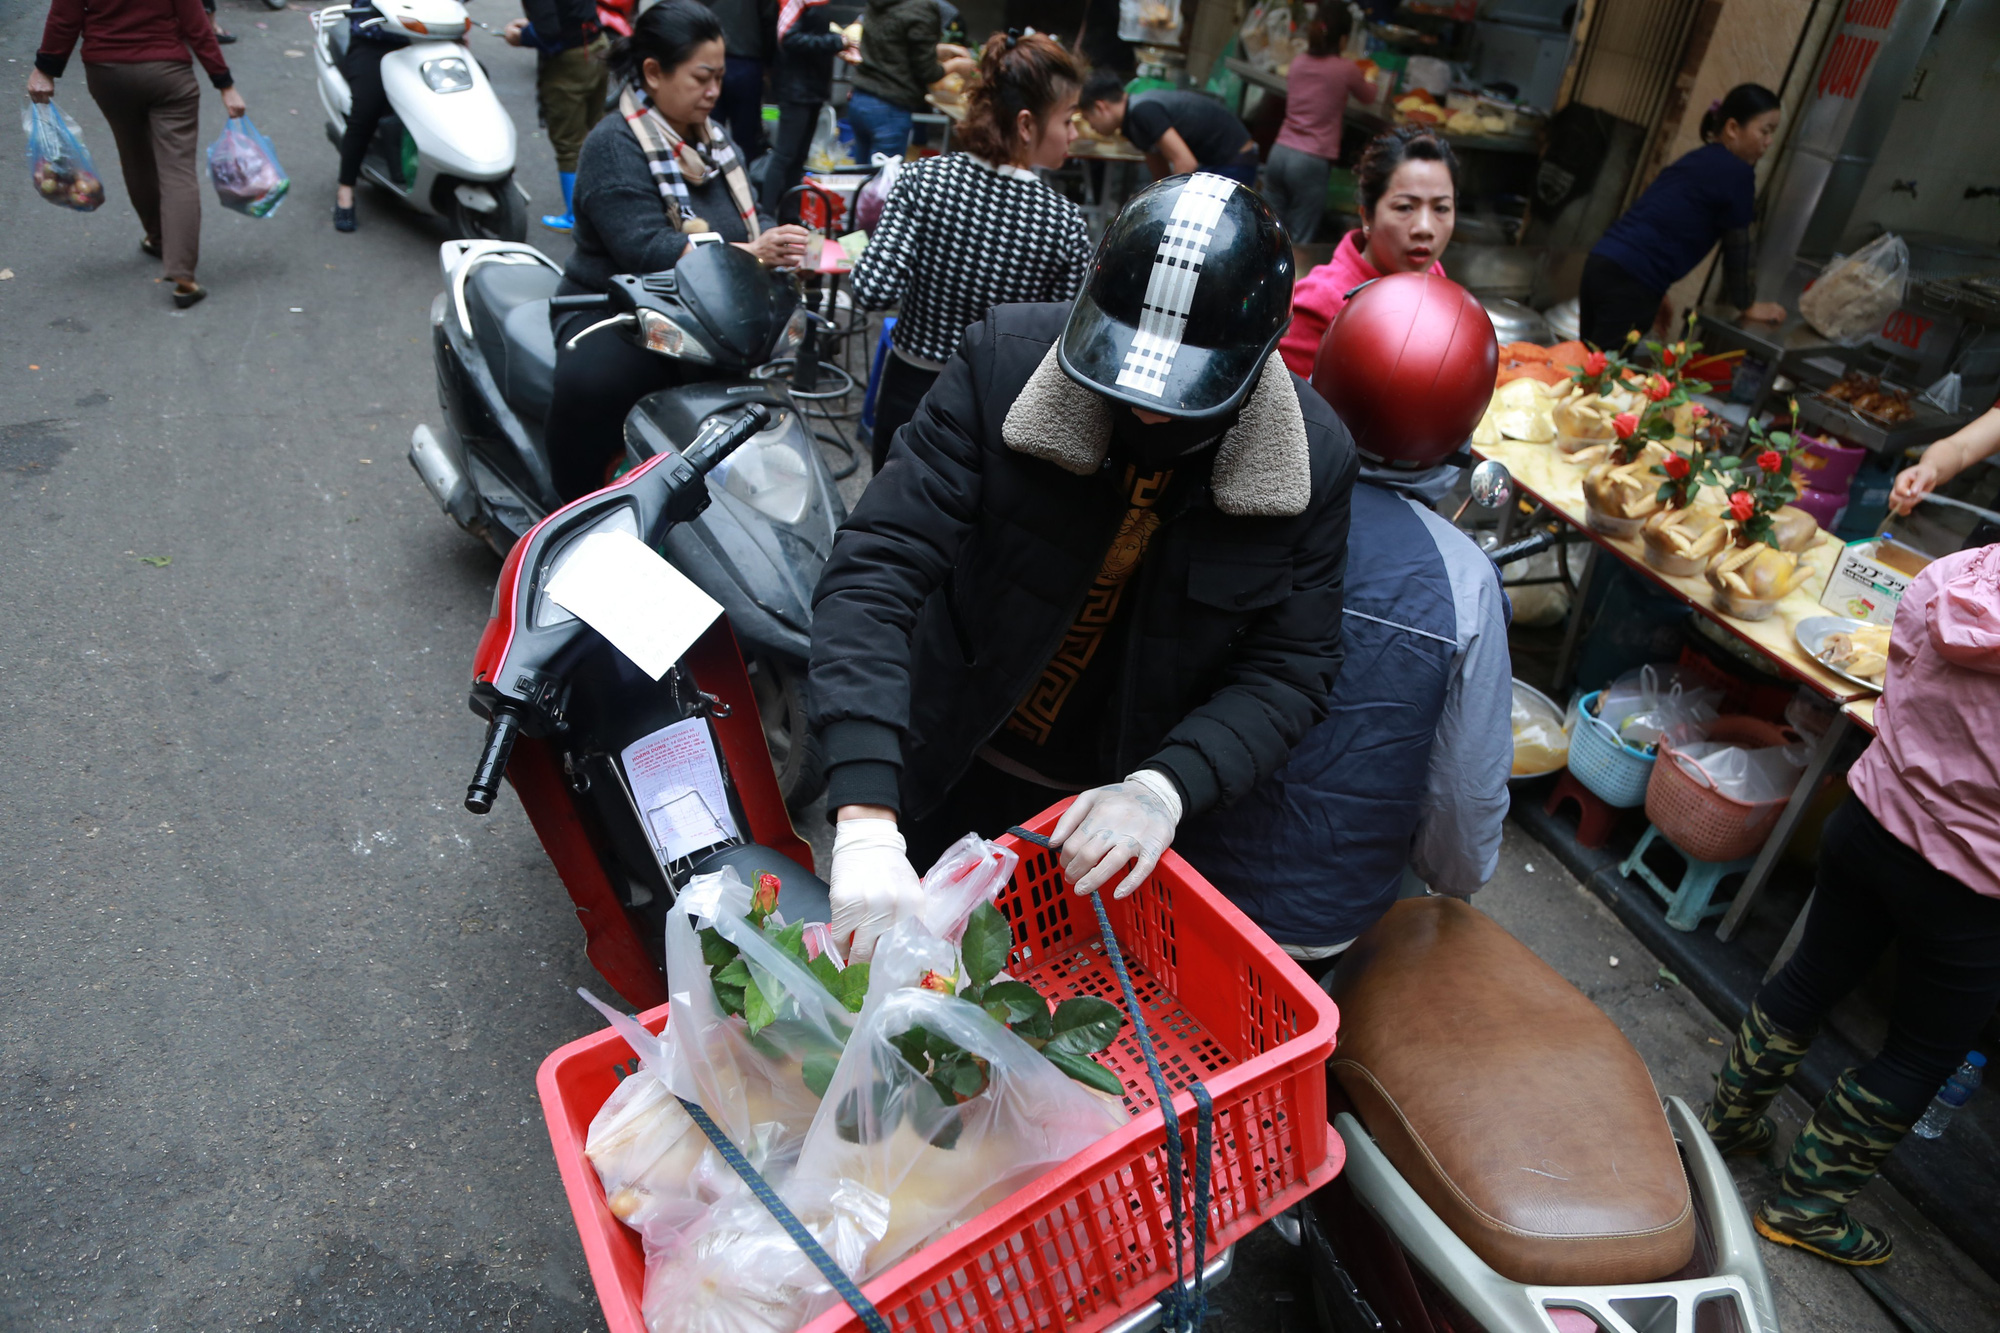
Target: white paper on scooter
x,y
623,589
677,784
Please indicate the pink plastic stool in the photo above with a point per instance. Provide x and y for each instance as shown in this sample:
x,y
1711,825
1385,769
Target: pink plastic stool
x,y
1594,819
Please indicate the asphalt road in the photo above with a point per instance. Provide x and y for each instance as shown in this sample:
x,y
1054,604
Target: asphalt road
x,y
272,1002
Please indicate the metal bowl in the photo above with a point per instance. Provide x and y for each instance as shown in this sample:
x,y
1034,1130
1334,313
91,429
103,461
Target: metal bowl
x,y
1515,323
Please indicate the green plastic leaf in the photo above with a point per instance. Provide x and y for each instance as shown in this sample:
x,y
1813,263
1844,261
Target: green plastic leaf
x,y
1084,1024
715,951
1012,1002
1087,1072
792,939
988,939
817,1072
852,988
757,1010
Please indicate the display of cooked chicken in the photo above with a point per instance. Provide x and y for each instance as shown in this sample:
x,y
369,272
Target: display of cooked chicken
x,y
1795,529
1862,651
1758,572
1623,490
1520,410
1583,421
1689,535
1866,393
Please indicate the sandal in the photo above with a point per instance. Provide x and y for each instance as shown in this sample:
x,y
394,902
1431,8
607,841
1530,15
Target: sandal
x,y
188,293
149,245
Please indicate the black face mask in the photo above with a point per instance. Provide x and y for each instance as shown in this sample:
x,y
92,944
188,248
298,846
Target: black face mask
x,y
1160,444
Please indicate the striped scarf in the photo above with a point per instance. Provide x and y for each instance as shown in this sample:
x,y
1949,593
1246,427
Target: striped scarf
x,y
791,13
677,163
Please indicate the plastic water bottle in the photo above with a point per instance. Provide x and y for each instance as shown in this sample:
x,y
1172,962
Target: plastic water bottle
x,y
1956,1092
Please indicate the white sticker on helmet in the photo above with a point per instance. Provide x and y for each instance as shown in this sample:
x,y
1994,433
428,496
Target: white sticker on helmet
x,y
1170,288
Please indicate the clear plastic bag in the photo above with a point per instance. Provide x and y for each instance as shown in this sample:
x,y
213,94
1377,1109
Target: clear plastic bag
x,y
873,197
760,1075
1157,22
59,166
1643,704
1854,294
245,170
971,871
886,1127
1754,777
827,154
1540,743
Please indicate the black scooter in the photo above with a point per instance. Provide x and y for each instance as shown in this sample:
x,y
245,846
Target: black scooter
x,y
759,549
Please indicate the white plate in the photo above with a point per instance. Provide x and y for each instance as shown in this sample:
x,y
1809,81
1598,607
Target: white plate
x,y
1812,634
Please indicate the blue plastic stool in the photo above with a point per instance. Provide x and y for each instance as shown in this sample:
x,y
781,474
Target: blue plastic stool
x,y
875,376
1689,904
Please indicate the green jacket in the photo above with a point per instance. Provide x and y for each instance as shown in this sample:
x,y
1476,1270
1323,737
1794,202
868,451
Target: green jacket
x,y
899,51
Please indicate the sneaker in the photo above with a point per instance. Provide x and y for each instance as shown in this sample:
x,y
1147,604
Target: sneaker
x,y
559,221
343,219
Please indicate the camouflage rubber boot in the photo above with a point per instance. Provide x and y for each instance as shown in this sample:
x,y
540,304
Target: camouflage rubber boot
x,y
1761,1062
1836,1154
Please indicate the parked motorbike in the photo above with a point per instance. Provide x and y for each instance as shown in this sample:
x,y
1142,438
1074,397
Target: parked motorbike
x,y
758,550
575,726
1510,1166
447,146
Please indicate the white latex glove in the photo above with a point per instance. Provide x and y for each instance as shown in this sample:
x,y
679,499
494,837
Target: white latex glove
x,y
1108,828
872,886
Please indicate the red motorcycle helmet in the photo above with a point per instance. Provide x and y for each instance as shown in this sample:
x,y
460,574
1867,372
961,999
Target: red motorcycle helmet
x,y
1409,366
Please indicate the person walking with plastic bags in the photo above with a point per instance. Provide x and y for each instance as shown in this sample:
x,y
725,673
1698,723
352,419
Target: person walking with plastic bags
x,y
1409,770
570,81
1105,559
1913,857
967,231
138,62
802,85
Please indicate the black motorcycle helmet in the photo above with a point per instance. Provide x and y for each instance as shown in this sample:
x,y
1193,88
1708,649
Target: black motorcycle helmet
x,y
1188,294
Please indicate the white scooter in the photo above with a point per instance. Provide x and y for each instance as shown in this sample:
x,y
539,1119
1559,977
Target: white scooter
x,y
446,147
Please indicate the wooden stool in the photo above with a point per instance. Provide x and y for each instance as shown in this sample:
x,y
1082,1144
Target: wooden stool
x,y
1594,819
1688,904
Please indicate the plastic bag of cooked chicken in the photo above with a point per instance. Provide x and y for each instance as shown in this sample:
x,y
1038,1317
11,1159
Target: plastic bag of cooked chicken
x,y
1853,295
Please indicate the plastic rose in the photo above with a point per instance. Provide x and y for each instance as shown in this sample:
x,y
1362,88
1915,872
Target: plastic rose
x,y
1741,506
1625,423
1676,466
1770,460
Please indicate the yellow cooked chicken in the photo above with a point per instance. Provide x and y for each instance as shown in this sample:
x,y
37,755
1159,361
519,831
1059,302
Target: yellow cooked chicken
x,y
1862,652
1686,534
1758,572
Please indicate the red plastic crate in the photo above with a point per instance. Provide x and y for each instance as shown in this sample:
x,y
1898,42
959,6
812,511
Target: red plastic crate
x,y
1092,1239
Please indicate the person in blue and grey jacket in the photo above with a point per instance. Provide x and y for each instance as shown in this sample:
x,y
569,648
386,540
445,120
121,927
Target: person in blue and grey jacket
x,y
1409,768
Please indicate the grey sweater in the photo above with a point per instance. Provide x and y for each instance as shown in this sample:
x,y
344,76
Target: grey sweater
x,y
621,221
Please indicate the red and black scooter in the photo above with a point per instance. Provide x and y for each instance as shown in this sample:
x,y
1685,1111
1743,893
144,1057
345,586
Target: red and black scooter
x,y
565,707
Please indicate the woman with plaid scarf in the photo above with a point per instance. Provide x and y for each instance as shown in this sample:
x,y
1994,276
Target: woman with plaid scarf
x,y
648,178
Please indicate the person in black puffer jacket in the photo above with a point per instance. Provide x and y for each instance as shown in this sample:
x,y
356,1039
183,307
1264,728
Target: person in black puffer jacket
x,y
1095,551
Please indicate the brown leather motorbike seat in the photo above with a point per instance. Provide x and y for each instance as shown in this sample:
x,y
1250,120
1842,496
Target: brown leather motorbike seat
x,y
1509,1102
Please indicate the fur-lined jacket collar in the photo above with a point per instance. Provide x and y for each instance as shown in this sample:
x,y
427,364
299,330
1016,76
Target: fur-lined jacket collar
x,y
1263,468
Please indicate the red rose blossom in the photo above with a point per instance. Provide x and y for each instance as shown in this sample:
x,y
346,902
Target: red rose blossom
x,y
933,981
1741,506
1658,388
1697,411
1625,423
765,899
1668,356
1770,460
1593,365
1676,466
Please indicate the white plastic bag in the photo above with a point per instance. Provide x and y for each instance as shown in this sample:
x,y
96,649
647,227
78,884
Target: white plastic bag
x,y
1541,745
1754,777
886,1127
826,153
971,871
1853,295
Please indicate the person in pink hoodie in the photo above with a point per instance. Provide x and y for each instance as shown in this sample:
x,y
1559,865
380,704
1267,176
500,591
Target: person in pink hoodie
x,y
1914,857
1408,187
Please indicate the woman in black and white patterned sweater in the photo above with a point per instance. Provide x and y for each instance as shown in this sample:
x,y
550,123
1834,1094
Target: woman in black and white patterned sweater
x,y
968,231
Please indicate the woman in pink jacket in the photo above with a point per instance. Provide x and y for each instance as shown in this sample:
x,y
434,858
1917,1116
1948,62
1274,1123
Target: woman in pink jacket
x,y
1408,183
1914,858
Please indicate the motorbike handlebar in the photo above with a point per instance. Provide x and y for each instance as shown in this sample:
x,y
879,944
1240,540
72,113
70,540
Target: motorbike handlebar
x,y
587,301
703,458
501,733
1521,550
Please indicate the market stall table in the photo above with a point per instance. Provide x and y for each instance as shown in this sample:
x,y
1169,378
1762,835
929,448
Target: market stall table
x,y
1542,473
1101,198
1784,347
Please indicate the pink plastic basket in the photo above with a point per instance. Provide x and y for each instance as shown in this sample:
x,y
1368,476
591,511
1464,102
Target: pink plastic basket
x,y
1092,1239
1700,820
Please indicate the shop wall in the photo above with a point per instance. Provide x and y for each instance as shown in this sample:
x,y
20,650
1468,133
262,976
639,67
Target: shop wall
x,y
1945,138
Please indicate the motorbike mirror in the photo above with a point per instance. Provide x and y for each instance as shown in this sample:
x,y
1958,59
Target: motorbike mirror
x,y
1492,485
